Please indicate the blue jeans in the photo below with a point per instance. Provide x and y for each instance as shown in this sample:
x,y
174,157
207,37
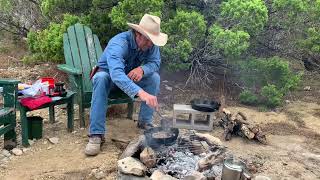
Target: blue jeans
x,y
102,85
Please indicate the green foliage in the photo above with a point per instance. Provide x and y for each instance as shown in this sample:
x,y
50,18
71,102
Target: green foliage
x,y
47,45
271,95
292,6
132,11
186,31
231,42
250,15
269,77
5,6
247,97
312,42
56,8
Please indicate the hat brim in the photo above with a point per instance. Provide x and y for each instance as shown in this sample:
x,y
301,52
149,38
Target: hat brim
x,y
158,40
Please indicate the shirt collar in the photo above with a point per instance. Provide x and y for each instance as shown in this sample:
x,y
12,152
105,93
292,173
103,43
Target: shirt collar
x,y
133,44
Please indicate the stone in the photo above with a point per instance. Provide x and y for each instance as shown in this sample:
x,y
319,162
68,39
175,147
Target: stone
x,y
148,157
54,140
130,165
168,88
31,142
159,175
17,152
25,149
195,175
4,160
3,166
6,153
307,88
99,175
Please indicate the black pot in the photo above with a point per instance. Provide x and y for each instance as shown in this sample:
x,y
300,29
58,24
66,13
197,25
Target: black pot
x,y
205,105
155,142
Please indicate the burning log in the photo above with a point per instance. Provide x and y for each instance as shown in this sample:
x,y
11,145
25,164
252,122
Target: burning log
x,y
210,160
237,124
211,140
135,145
148,157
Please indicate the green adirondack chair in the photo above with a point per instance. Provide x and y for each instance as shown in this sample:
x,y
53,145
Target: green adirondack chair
x,y
82,50
9,91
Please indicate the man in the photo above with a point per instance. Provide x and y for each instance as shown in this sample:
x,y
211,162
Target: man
x,y
130,62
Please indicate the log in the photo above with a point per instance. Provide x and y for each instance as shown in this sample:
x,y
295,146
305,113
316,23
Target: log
x,y
137,144
237,124
148,157
210,160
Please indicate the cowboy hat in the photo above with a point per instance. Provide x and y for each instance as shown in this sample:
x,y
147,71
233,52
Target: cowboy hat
x,y
149,26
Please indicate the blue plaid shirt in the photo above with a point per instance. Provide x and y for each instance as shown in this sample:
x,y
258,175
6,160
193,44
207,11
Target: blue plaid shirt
x,y
122,55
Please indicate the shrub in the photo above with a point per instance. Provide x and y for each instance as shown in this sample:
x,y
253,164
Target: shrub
x,y
272,96
185,30
250,15
133,10
232,43
269,78
47,45
247,97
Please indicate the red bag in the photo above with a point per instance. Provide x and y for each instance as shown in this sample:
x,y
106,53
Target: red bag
x,y
35,102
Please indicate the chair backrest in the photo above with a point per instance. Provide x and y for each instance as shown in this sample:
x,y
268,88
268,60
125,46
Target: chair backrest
x,y
82,50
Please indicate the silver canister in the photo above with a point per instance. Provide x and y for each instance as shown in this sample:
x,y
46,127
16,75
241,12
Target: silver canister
x,y
232,169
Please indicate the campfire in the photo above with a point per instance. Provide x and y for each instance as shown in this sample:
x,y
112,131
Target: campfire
x,y
191,154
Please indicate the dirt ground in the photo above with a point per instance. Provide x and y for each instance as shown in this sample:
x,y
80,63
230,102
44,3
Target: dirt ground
x,y
292,152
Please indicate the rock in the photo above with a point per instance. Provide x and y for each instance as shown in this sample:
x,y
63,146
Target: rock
x,y
50,147
99,175
148,157
168,88
3,166
195,175
288,101
17,152
54,140
6,153
25,149
31,142
4,160
307,88
259,177
159,175
211,140
132,166
165,81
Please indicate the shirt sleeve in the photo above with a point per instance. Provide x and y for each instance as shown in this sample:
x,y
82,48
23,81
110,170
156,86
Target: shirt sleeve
x,y
152,61
116,64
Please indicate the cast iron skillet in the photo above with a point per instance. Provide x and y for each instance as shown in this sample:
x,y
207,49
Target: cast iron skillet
x,y
205,105
155,142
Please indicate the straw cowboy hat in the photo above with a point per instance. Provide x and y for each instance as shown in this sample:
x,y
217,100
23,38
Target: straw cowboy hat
x,y
149,26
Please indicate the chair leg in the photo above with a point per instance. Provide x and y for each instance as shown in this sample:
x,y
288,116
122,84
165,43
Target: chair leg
x,y
130,110
24,126
70,111
81,115
51,114
10,140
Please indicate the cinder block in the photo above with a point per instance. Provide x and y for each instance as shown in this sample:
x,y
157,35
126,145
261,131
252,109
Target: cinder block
x,y
187,118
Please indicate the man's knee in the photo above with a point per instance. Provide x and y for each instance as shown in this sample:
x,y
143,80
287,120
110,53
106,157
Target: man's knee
x,y
155,79
101,76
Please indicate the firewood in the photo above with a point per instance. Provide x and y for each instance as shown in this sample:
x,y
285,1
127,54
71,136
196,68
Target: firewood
x,y
148,157
242,115
135,145
211,140
246,131
210,160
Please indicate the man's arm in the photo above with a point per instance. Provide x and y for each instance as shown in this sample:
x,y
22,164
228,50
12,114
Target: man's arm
x,y
152,61
116,64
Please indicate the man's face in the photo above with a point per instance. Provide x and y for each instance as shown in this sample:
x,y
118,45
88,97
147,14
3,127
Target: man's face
x,y
143,42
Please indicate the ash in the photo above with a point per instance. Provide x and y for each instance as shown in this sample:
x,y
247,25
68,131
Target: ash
x,y
179,162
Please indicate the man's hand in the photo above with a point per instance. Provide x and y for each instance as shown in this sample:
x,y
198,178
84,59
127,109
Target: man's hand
x,y
149,99
136,74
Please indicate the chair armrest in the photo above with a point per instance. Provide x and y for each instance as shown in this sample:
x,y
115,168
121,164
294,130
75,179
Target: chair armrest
x,y
8,81
68,69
